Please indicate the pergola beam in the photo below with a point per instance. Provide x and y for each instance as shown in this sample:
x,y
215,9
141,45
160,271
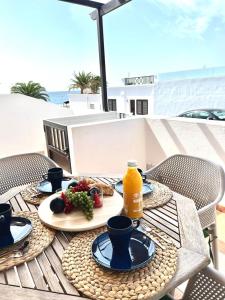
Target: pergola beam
x,y
101,50
100,10
108,7
89,3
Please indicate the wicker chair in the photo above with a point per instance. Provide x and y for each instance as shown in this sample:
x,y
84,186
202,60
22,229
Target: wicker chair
x,y
208,284
198,179
22,169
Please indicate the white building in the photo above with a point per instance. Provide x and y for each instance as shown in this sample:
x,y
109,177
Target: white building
x,y
165,97
176,96
131,99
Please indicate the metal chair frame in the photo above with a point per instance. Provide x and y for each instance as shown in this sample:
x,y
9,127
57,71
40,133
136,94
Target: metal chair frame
x,y
198,179
208,284
22,169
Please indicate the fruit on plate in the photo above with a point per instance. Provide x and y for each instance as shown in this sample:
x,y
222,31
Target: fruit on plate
x,y
68,205
57,205
81,186
93,190
81,200
72,184
80,196
83,195
106,189
97,200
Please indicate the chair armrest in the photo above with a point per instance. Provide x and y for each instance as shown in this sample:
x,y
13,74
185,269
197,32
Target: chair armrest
x,y
207,215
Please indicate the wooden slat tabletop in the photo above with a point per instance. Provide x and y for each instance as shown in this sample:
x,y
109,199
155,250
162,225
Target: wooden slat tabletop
x,y
42,278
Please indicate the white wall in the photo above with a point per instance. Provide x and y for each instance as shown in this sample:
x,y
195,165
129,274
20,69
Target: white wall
x,y
104,148
21,123
173,97
124,94
176,96
132,90
202,138
80,103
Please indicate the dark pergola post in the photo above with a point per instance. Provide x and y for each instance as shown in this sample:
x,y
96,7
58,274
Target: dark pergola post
x,y
100,10
101,50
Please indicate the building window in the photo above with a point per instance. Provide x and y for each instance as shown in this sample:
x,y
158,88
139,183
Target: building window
x,y
132,106
142,107
112,104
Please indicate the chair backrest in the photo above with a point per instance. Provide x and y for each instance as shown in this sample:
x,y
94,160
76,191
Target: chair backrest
x,y
208,284
196,178
22,169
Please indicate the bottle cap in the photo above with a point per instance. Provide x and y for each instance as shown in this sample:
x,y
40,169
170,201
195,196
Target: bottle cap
x,y
132,163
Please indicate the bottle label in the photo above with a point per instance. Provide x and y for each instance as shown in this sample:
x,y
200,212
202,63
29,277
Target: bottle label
x,y
137,197
136,200
133,205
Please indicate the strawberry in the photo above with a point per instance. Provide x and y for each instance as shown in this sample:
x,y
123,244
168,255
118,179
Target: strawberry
x,y
97,200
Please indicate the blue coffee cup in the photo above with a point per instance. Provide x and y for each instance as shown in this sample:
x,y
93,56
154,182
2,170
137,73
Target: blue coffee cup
x,y
54,176
5,218
120,229
144,177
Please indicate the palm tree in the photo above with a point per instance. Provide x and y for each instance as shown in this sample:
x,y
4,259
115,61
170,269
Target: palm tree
x,y
32,89
81,80
95,83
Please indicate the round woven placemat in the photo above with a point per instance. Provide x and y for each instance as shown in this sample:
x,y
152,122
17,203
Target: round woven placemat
x,y
97,282
39,239
31,195
161,195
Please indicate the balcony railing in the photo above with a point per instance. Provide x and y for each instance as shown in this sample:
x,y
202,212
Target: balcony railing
x,y
105,147
139,80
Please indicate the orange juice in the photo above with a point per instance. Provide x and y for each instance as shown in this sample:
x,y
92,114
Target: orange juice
x,y
132,191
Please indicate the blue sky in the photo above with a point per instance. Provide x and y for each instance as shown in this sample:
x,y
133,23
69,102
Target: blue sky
x,y
47,40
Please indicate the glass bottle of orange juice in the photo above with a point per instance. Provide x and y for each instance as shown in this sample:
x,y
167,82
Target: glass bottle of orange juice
x,y
132,191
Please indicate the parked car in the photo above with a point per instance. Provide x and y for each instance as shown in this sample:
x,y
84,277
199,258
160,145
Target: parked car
x,y
208,114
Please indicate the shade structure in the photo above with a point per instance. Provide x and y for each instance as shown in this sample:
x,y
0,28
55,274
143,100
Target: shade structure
x,y
102,7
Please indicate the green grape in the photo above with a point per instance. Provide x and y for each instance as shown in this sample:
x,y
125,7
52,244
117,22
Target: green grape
x,y
81,200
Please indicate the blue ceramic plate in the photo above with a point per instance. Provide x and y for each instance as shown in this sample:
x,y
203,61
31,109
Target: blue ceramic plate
x,y
141,251
20,228
146,189
46,187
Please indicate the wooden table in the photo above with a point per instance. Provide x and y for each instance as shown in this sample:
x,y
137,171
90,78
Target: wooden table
x,y
42,278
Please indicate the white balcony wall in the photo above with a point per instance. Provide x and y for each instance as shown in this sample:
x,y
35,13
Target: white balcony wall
x,y
21,123
105,147
202,138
